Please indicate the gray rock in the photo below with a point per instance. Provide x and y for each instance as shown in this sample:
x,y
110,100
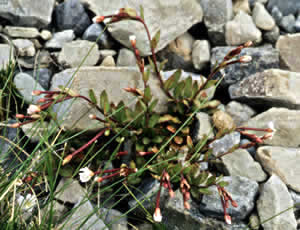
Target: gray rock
x,y
284,162
176,217
297,24
74,52
21,32
59,39
113,219
43,60
26,84
24,13
203,127
216,34
43,76
296,199
287,23
240,113
242,29
272,36
83,217
288,46
6,54
93,32
262,18
34,131
286,124
108,62
24,47
69,190
57,210
224,144
276,14
275,198
241,189
266,88
126,57
262,58
201,54
164,15
240,163
71,15
288,7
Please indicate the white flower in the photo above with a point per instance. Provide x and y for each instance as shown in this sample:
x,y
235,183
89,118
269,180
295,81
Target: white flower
x,y
85,174
271,126
27,204
157,215
106,20
132,38
32,109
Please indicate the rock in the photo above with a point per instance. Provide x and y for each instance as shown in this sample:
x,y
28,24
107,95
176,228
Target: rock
x,y
6,54
225,143
200,54
288,7
74,52
276,14
254,221
43,76
59,39
24,13
176,217
275,198
113,219
241,189
43,60
251,150
273,88
286,124
262,58
21,32
287,23
96,31
46,35
296,199
240,163
108,62
126,57
216,35
241,5
83,217
57,210
203,127
178,53
242,29
104,53
284,162
240,113
252,2
71,15
288,46
24,47
26,84
69,190
272,36
161,17
223,121
297,24
35,131
261,17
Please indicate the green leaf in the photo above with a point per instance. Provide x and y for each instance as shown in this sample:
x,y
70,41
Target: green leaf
x,y
167,118
223,183
104,103
151,63
188,87
195,88
159,226
178,90
146,75
131,12
142,13
147,94
162,64
205,191
146,140
210,83
155,39
153,120
92,96
157,139
152,105
211,180
171,82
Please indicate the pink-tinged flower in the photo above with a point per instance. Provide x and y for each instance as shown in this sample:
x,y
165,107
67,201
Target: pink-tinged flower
x,y
36,92
85,174
98,19
157,215
227,219
67,159
245,59
132,39
33,109
271,126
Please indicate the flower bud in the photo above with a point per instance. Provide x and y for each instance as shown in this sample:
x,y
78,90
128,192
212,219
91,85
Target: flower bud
x,y
20,116
132,40
67,159
157,215
98,19
245,59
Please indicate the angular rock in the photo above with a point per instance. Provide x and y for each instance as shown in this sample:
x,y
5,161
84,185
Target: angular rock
x,y
26,84
57,210
24,47
202,127
71,15
273,88
126,58
262,18
286,124
288,46
200,54
69,190
74,52
93,32
241,5
21,32
287,23
241,189
288,7
240,163
83,217
240,113
176,217
6,54
24,13
59,39
242,29
113,219
275,198
284,162
272,36
108,62
262,58
225,143
164,15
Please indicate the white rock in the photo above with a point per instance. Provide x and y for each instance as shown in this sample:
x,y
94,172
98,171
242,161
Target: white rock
x,y
108,62
262,18
6,54
21,32
59,39
46,35
201,53
25,47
